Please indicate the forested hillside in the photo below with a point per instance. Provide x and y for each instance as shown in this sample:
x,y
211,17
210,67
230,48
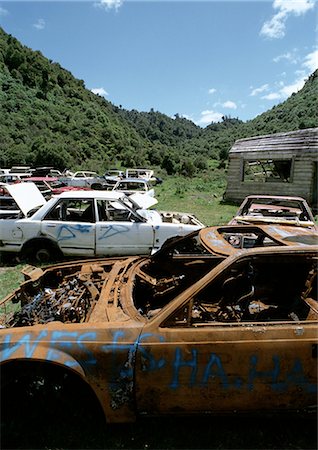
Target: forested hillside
x,y
47,117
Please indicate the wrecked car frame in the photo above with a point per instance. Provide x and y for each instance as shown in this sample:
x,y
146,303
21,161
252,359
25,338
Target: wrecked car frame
x,y
274,209
189,330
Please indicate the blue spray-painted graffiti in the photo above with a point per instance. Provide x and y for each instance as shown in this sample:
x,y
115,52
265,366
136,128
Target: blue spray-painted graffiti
x,y
112,230
195,370
66,232
213,370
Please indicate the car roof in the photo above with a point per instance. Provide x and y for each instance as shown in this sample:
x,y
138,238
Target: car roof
x,y
87,172
132,180
275,197
42,179
103,195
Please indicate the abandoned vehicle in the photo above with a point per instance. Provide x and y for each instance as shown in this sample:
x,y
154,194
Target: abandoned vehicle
x,y
88,223
266,209
202,326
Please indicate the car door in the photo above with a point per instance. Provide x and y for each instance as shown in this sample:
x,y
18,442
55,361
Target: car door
x,y
79,180
71,224
166,230
202,355
119,231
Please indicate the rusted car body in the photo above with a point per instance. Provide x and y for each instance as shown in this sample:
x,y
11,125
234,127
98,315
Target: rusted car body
x,y
202,326
274,209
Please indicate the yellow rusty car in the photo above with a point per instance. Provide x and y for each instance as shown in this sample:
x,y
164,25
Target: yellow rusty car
x,y
223,320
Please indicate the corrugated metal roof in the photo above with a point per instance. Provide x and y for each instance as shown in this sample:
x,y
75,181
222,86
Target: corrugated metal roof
x,y
292,141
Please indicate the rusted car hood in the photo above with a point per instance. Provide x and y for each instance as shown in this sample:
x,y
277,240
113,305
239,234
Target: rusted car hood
x,y
214,238
74,292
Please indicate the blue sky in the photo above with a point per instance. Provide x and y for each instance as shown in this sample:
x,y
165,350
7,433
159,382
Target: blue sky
x,y
200,59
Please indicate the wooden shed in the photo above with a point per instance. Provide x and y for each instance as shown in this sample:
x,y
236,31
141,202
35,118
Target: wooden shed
x,y
276,164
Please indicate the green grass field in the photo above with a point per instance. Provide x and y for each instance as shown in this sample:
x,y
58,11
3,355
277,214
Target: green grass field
x,y
200,196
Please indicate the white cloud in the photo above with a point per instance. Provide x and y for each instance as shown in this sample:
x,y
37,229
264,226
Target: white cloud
x,y
109,4
259,90
311,61
288,56
272,96
212,91
100,91
3,12
276,26
40,24
308,66
209,116
229,104
296,7
286,91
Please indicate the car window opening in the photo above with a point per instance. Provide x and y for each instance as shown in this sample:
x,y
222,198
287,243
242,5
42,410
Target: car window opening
x,y
157,284
258,290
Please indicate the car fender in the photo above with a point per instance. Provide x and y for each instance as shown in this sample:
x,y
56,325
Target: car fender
x,y
41,353
43,239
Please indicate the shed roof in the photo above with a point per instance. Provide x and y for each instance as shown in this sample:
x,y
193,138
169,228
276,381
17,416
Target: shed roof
x,y
300,140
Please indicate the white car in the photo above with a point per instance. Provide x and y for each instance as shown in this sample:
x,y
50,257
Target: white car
x,y
84,179
131,186
89,223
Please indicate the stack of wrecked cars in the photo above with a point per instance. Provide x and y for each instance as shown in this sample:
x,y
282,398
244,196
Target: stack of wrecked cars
x,y
222,320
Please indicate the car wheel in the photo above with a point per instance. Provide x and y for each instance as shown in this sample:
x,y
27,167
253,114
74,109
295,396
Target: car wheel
x,y
96,186
43,255
40,253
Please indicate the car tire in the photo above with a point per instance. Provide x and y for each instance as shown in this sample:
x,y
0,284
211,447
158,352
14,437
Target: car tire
x,y
43,255
41,252
96,186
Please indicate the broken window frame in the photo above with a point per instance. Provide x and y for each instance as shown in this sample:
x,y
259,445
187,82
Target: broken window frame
x,y
183,317
268,173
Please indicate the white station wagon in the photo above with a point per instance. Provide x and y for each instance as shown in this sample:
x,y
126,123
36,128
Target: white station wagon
x,y
88,223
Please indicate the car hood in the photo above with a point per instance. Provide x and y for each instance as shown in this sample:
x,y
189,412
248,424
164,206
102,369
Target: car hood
x,y
143,201
212,238
26,195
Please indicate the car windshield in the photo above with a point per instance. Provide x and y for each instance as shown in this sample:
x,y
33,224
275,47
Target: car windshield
x,y
56,184
280,208
33,211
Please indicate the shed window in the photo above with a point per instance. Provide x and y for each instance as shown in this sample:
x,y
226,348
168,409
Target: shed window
x,y
267,170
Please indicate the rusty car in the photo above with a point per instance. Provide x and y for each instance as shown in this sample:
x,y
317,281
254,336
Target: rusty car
x,y
279,210
211,323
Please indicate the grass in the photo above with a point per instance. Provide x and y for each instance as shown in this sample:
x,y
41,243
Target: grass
x,y
10,278
201,196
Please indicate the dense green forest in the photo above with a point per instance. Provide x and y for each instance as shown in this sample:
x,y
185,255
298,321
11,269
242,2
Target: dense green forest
x,y
47,117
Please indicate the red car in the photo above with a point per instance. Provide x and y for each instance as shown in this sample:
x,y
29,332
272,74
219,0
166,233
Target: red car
x,y
52,185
